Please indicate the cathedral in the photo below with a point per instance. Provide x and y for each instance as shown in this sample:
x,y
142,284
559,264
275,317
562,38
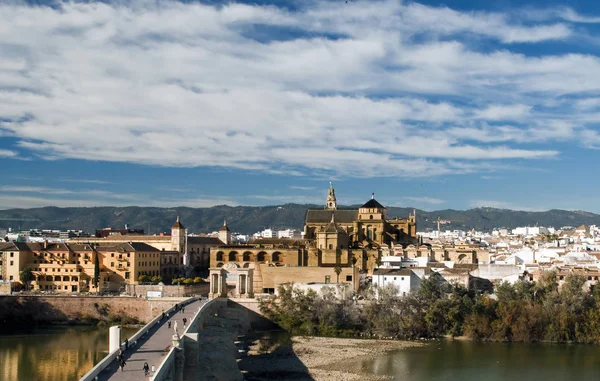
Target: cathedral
x,y
366,227
340,245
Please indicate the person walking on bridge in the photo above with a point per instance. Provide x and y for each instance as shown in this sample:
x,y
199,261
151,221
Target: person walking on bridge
x,y
146,369
184,322
122,364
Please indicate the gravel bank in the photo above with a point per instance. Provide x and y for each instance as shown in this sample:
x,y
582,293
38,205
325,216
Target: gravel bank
x,y
316,358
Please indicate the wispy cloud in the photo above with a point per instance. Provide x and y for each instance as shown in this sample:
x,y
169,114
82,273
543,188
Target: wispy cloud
x,y
7,153
85,181
298,187
426,200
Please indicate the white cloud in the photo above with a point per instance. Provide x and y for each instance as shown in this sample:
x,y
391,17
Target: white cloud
x,y
500,112
7,153
447,21
186,85
426,200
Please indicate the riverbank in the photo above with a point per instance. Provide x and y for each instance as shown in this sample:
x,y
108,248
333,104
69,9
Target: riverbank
x,y
316,358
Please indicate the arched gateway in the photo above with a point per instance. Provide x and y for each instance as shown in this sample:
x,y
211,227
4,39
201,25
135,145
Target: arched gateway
x,y
231,274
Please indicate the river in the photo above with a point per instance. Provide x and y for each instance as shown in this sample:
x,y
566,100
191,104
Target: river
x,y
469,361
56,353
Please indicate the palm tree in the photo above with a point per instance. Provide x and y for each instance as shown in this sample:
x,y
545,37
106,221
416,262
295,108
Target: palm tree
x,y
338,270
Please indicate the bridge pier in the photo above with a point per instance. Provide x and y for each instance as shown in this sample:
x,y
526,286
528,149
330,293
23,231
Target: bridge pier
x,y
179,357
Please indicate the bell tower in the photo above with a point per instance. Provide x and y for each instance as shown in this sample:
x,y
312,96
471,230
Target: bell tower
x,y
331,201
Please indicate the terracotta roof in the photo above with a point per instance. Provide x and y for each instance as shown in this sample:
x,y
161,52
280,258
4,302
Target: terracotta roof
x,y
204,241
177,225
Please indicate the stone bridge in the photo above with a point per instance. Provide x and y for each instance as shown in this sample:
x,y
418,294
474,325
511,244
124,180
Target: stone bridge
x,y
206,349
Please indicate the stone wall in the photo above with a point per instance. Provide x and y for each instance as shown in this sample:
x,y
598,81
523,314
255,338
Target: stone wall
x,y
21,310
272,276
169,291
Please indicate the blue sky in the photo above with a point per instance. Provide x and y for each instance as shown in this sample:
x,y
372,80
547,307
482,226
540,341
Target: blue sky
x,y
431,104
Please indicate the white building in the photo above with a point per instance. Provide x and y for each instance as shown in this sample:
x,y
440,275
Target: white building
x,y
268,233
529,231
405,280
289,233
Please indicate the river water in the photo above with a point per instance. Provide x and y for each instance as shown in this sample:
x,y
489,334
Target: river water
x,y
55,353
67,353
469,361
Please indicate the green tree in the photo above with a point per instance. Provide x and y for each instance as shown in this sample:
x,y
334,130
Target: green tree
x,y
26,276
96,279
145,279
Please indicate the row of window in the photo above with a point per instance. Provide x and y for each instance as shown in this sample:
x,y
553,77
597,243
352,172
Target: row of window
x,y
260,257
58,278
46,269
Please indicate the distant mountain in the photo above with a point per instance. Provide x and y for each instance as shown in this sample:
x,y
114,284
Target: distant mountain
x,y
250,219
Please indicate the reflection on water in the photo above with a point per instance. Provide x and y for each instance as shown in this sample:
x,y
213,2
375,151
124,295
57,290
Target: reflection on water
x,y
469,361
53,353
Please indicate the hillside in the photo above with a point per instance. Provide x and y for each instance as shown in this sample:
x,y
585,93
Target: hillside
x,y
249,219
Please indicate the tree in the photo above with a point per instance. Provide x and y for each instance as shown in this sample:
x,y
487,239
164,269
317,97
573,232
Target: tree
x,y
26,276
338,271
144,279
96,279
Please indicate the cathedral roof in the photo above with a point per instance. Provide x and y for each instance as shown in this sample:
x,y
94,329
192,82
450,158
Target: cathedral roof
x,y
373,204
319,216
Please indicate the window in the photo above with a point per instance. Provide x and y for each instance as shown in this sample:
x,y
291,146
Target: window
x,y
127,275
11,277
348,278
12,263
12,255
371,217
112,264
561,277
401,278
394,278
330,246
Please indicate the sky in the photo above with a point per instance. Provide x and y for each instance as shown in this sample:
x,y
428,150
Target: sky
x,y
434,105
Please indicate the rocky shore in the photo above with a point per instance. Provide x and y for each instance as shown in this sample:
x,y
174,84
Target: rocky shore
x,y
315,358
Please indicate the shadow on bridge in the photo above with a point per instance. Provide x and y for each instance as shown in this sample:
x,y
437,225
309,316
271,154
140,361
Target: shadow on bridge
x,y
271,356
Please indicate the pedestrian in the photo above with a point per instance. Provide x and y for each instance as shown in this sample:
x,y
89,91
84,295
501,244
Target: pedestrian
x,y
146,369
122,364
126,344
184,322
169,324
163,316
182,310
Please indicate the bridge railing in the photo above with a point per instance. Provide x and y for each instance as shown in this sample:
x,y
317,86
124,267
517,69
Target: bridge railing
x,y
106,361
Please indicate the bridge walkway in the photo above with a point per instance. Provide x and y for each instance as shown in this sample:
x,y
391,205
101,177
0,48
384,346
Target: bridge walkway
x,y
151,348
